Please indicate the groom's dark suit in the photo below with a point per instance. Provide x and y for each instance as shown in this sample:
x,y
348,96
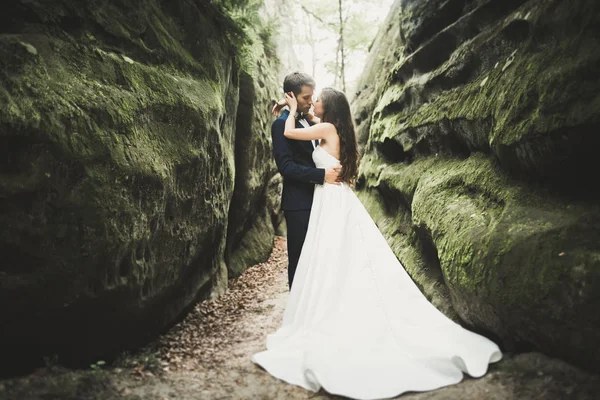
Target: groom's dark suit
x,y
294,161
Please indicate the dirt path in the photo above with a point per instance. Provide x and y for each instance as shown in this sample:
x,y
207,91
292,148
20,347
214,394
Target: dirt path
x,y
208,356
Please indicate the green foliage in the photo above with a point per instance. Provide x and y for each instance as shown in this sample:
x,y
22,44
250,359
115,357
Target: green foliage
x,y
358,33
360,23
331,67
266,33
244,13
252,34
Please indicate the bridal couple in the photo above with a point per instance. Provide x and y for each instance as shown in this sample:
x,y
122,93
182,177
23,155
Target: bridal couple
x,y
355,323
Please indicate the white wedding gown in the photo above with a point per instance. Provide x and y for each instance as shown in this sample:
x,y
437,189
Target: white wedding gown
x,y
355,322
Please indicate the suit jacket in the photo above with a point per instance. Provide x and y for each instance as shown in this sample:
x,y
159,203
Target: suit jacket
x,y
295,163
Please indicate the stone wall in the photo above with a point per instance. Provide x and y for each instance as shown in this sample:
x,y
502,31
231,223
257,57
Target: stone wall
x,y
118,167
479,123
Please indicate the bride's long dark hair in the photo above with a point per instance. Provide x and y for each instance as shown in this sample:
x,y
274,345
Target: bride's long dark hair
x,y
336,111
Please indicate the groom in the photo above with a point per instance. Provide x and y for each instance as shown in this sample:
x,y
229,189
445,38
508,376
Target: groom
x,y
294,161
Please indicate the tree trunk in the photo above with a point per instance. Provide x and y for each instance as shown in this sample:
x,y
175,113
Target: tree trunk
x,y
336,80
341,48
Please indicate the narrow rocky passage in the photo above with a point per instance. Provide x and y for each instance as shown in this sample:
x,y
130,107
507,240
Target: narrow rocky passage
x,y
136,176
208,356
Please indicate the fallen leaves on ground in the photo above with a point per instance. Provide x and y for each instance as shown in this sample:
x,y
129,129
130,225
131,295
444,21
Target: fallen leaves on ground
x,y
203,339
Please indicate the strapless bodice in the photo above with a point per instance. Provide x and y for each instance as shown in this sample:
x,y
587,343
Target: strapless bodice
x,y
323,159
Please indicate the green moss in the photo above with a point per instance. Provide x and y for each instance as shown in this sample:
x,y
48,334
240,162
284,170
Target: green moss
x,y
500,246
534,91
119,143
484,234
114,110
515,260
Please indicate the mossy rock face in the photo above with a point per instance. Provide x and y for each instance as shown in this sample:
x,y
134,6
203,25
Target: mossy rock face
x,y
251,226
476,144
117,169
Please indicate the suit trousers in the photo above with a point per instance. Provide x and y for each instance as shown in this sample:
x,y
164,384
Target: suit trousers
x,y
297,225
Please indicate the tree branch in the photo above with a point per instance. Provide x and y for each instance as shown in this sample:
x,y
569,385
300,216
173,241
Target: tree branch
x,y
315,16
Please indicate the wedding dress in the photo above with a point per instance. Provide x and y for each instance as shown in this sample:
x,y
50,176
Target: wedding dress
x,y
355,323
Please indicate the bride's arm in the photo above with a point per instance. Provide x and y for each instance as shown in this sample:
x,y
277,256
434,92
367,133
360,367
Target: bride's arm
x,y
318,131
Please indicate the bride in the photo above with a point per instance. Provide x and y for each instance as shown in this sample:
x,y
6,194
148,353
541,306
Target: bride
x,y
355,323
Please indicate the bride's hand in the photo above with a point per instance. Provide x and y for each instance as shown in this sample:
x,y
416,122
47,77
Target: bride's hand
x,y
278,106
290,98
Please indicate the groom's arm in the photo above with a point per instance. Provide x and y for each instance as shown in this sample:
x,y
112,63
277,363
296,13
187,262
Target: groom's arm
x,y
285,161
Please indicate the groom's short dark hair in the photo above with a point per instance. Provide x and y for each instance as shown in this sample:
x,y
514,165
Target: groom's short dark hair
x,y
294,82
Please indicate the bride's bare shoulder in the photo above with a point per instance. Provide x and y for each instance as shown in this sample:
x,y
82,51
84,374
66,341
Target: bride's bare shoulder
x,y
329,128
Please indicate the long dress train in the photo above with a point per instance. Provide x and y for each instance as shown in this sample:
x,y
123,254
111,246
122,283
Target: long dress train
x,y
355,322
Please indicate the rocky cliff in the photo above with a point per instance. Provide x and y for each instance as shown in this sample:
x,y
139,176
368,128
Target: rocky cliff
x,y
255,213
120,163
478,121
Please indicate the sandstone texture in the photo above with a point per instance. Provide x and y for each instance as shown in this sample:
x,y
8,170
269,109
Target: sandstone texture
x,y
479,123
120,165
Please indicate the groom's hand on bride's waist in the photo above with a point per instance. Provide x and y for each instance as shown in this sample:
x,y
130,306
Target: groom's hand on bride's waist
x,y
332,175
